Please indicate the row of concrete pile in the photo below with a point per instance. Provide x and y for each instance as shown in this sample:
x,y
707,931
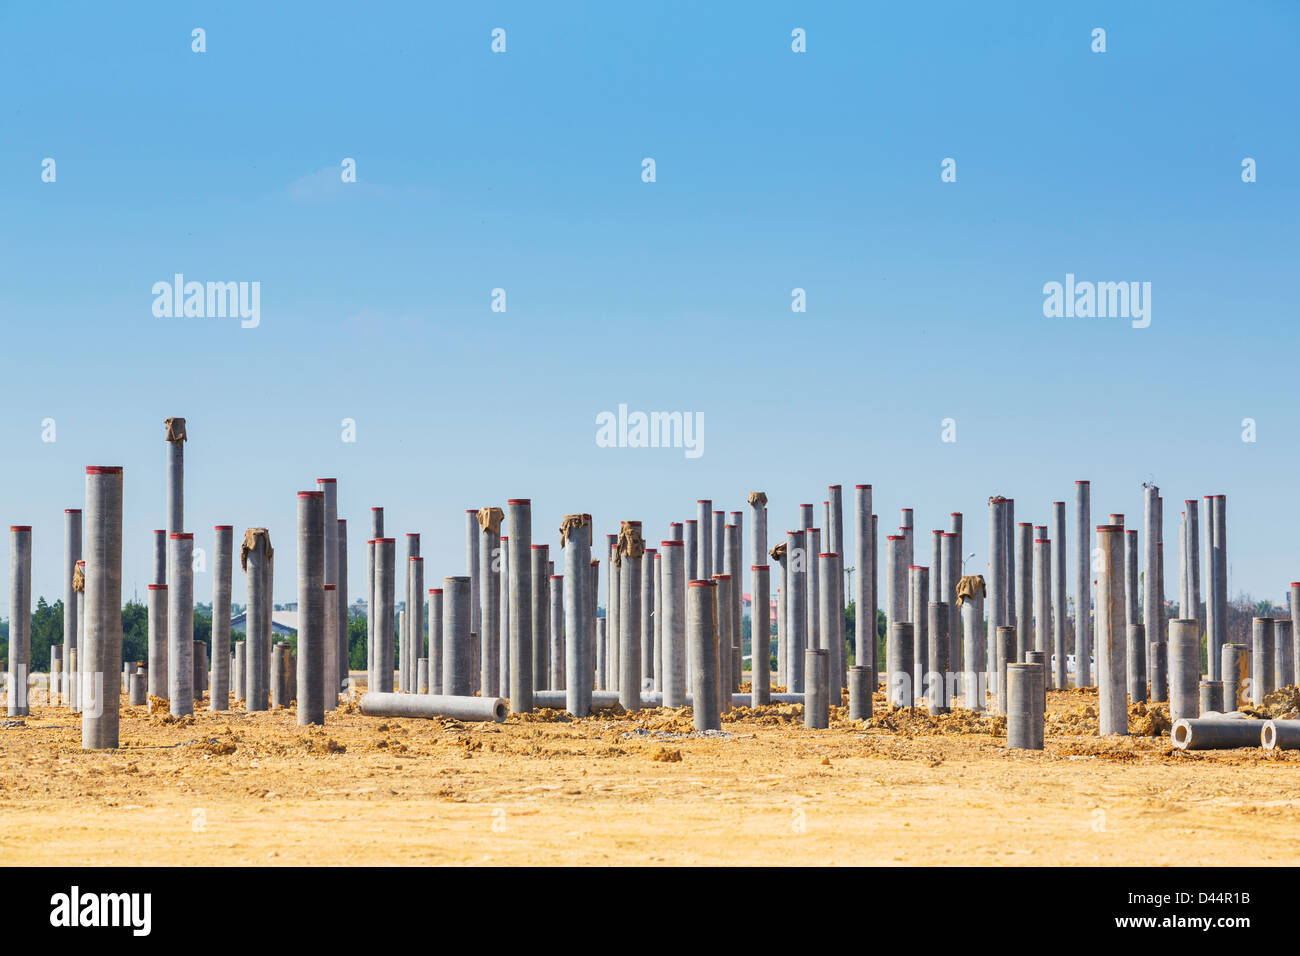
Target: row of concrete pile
x,y
512,633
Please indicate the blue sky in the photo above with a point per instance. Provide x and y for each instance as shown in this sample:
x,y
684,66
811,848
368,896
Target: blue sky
x,y
775,170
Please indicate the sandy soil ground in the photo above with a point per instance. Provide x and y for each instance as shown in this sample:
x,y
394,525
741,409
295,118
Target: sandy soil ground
x,y
255,789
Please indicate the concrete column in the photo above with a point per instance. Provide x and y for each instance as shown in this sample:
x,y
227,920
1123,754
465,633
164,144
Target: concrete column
x,y
175,437
1211,696
331,665
1221,570
1024,589
737,596
279,659
200,658
1184,570
329,628
629,638
873,604
1194,559
341,592
919,591
410,630
973,682
647,638
1132,596
1006,655
704,531
1021,708
673,603
861,687
435,639
796,627
733,564
1043,596
180,624
1137,663
996,585
503,621
71,555
614,628
719,539
1009,580
136,694
813,585
255,558
702,642
457,654
78,665
1159,676
760,643
580,579
1039,660
1212,612
415,623
602,654
55,689
160,556
20,619
816,706
758,519
896,594
691,541
658,622
840,659
1184,669
591,592
311,607
835,520
908,530
864,649
936,566
1060,620
826,609
1152,584
1295,630
1082,583
239,674
781,618
222,568
473,564
675,531
1261,660
422,675
948,593
521,606
722,594
1112,632
376,532
1234,665
403,652
1284,654
489,602
102,610
937,669
898,658
555,652
539,611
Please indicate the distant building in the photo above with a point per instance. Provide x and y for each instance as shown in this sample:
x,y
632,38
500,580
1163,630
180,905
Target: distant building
x,y
283,623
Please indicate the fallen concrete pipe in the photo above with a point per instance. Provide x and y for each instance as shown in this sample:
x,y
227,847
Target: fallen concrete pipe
x,y
1215,733
1280,735
433,705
